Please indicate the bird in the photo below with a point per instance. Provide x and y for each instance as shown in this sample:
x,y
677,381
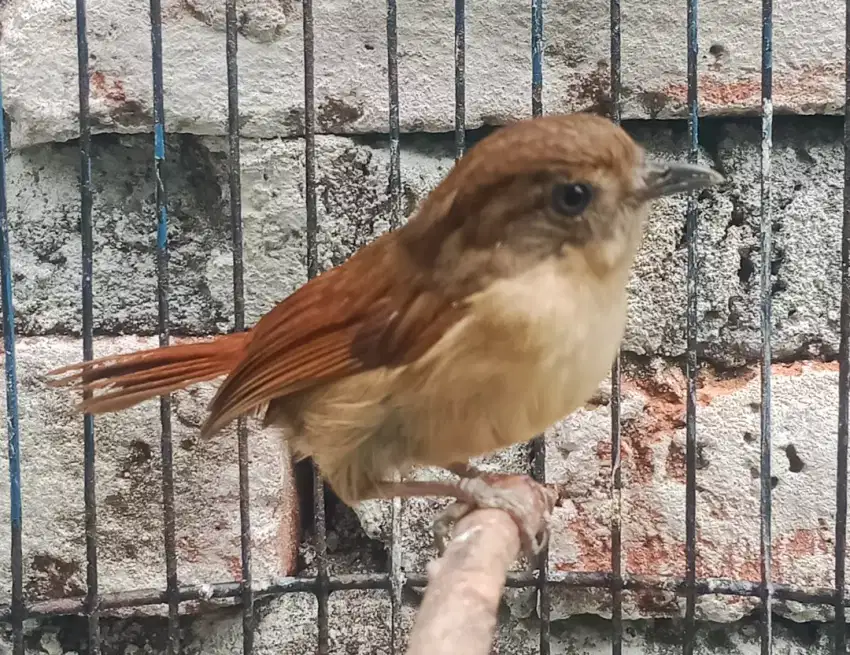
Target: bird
x,y
495,311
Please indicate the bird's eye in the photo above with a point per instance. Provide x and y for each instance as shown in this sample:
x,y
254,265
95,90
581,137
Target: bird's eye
x,y
571,199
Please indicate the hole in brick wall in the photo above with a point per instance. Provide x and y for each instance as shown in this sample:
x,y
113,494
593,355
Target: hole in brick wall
x,y
139,454
737,218
795,463
303,472
749,437
747,268
778,260
755,473
702,458
734,317
778,287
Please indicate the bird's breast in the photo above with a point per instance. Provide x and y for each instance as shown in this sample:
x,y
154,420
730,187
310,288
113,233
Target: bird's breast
x,y
530,351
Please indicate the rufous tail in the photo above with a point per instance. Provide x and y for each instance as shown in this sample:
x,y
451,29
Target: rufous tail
x,y
128,379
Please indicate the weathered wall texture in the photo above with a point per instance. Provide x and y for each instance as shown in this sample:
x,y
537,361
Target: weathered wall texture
x,y
40,99
351,63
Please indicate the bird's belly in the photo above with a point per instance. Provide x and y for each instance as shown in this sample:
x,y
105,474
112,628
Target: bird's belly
x,y
495,390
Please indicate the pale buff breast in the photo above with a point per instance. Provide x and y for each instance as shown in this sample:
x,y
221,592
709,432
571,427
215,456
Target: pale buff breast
x,y
532,350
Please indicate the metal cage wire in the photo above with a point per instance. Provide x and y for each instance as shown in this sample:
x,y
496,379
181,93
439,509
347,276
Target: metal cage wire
x,y
395,580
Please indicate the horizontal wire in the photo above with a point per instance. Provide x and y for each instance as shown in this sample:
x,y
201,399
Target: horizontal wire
x,y
285,585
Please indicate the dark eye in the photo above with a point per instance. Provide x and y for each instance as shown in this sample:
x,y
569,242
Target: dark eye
x,y
571,199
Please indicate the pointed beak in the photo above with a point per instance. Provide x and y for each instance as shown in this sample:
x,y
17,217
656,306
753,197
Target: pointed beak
x,y
665,179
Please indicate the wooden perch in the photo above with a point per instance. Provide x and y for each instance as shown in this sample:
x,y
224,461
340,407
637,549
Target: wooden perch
x,y
458,612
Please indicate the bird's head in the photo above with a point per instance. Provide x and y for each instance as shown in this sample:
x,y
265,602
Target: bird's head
x,y
575,185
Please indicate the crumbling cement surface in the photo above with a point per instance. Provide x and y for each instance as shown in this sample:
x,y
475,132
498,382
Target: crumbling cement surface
x,y
40,84
353,209
287,626
129,493
44,213
803,454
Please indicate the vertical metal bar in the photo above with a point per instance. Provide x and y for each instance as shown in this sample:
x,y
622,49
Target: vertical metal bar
x,y
537,57
239,315
392,77
843,371
396,572
616,459
89,479
312,271
691,338
12,420
766,239
538,446
310,145
616,67
321,545
163,327
460,78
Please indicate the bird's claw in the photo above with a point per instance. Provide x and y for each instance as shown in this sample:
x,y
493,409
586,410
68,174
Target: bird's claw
x,y
496,492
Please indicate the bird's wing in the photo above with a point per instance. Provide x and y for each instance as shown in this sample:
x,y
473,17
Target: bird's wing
x,y
371,311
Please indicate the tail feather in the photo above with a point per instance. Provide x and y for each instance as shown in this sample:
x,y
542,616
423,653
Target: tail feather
x,y
131,378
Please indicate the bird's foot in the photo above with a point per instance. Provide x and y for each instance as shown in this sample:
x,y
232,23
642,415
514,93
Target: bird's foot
x,y
524,499
500,491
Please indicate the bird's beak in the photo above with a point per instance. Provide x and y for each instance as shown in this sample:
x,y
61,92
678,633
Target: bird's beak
x,y
665,179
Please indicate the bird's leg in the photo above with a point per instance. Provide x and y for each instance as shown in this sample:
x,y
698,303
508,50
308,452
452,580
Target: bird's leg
x,y
477,492
465,470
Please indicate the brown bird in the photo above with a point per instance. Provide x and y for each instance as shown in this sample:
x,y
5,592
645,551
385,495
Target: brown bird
x,y
494,312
